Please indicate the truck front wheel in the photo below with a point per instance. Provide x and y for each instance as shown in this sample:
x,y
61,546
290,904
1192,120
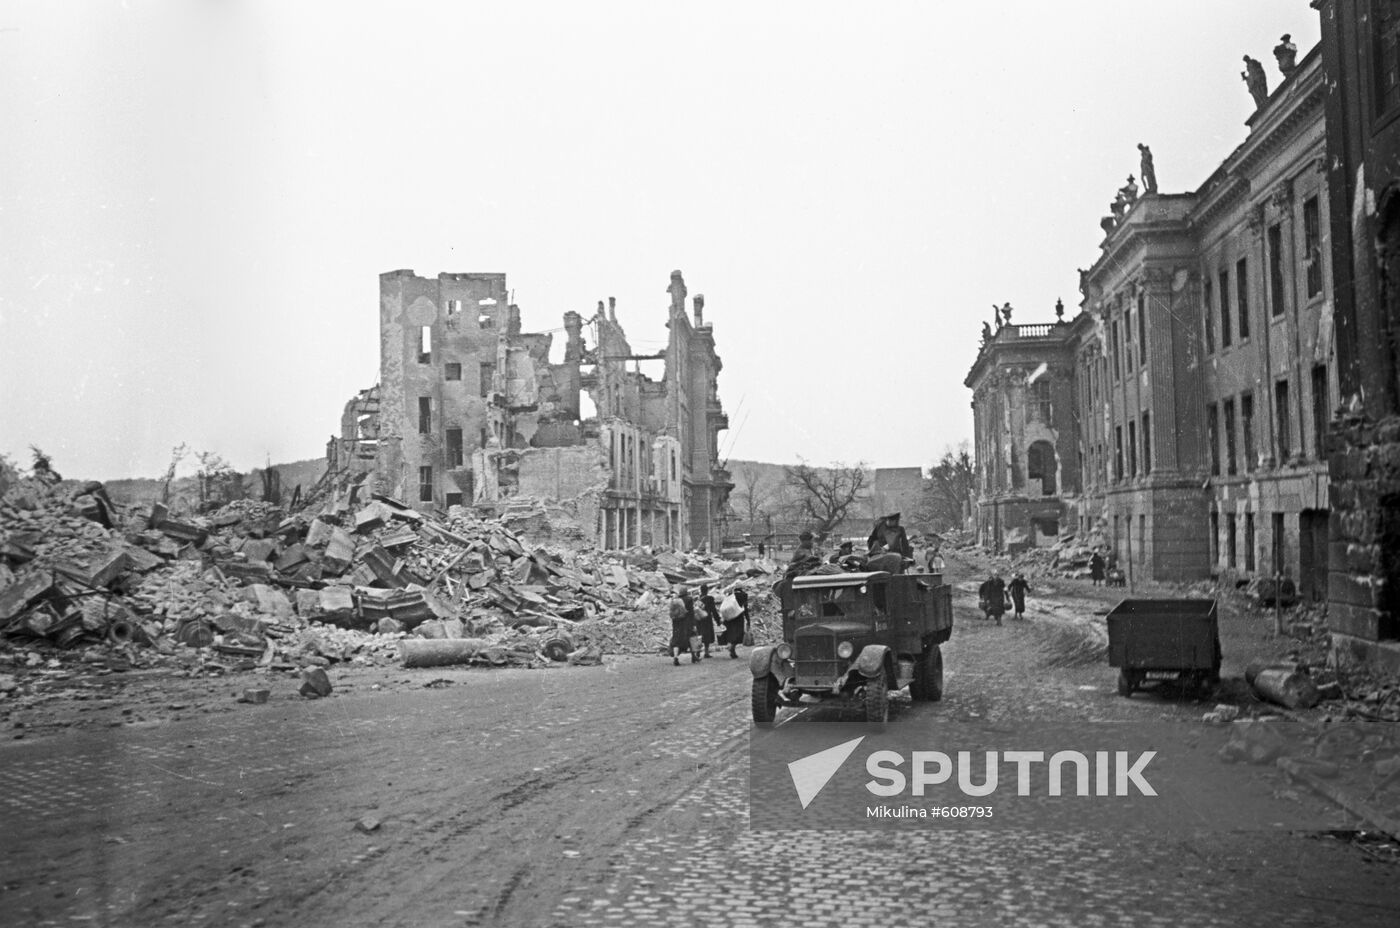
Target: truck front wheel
x,y
877,701
928,675
765,700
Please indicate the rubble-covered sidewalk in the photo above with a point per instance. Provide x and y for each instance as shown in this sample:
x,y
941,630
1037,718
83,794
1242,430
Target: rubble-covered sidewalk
x,y
87,587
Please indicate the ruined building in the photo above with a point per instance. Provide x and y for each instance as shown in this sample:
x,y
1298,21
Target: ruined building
x,y
1361,61
1182,414
471,410
1024,420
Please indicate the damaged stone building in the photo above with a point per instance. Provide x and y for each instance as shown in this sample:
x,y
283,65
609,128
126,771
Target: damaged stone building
x,y
1198,376
1361,60
472,410
1024,417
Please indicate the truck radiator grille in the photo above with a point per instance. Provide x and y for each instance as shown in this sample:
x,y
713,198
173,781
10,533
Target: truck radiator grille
x,y
814,648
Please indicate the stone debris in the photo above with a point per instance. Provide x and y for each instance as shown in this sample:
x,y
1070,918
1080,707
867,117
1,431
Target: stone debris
x,y
252,586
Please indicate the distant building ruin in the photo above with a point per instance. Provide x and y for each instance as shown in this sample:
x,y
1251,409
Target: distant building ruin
x,y
469,410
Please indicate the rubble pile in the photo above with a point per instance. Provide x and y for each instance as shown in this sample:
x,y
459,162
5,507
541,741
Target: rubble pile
x,y
251,585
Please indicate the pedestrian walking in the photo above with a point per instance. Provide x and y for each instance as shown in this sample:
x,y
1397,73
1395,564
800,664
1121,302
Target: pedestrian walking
x,y
738,612
1096,568
682,629
992,596
1018,588
706,619
762,549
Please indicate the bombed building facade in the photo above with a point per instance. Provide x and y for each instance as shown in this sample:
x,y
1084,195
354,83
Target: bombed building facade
x,y
471,410
1198,376
1025,435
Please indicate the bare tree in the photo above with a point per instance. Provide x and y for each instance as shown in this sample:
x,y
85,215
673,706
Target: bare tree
x,y
949,485
823,495
756,497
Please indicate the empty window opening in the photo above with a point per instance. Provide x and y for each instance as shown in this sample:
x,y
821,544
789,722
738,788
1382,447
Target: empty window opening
x,y
425,415
452,370
1285,437
1276,291
1242,293
454,447
425,484
425,344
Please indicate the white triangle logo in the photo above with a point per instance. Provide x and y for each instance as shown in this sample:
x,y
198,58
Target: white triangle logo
x,y
811,773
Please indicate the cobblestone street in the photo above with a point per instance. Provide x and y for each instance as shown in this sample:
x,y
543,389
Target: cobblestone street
x,y
619,796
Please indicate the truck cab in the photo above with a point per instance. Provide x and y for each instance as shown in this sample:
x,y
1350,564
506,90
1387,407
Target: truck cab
x,y
856,637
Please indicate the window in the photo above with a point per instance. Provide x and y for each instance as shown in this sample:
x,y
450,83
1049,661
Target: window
x,y
1214,537
454,447
1320,406
1128,336
425,344
1040,401
1277,518
1117,370
1276,269
1281,417
482,438
1312,246
1247,429
1208,316
453,308
1132,448
1146,443
1230,466
1118,452
1249,541
425,415
1231,541
452,371
425,484
1213,438
1224,309
1242,296
1142,329
487,373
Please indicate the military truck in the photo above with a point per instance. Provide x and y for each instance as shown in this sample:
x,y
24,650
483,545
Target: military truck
x,y
857,637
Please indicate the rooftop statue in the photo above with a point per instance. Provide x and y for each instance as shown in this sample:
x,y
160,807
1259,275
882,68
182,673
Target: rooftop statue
x,y
1254,79
1287,54
1147,170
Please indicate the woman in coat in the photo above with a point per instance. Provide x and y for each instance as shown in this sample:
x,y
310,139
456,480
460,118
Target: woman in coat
x,y
706,619
1096,568
1018,588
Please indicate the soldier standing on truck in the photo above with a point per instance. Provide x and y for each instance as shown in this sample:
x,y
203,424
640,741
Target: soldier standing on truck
x,y
889,545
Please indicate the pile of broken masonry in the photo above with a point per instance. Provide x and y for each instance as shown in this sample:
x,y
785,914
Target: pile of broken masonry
x,y
252,586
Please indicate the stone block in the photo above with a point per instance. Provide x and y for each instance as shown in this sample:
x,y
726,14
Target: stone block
x,y
318,533
315,683
1355,621
258,550
255,696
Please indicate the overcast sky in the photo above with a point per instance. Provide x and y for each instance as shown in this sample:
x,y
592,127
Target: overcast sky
x,y
197,198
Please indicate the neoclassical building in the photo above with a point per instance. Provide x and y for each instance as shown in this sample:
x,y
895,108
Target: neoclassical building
x,y
1200,370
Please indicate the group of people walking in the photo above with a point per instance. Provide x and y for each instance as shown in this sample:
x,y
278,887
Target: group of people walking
x,y
996,596
695,631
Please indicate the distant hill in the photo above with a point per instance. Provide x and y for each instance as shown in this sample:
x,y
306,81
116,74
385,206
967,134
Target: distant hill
x,y
142,491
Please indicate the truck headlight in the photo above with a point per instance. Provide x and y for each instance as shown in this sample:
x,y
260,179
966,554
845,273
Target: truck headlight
x,y
845,649
784,651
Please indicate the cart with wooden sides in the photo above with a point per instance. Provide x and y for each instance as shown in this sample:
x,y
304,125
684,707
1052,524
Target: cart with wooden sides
x,y
1164,639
